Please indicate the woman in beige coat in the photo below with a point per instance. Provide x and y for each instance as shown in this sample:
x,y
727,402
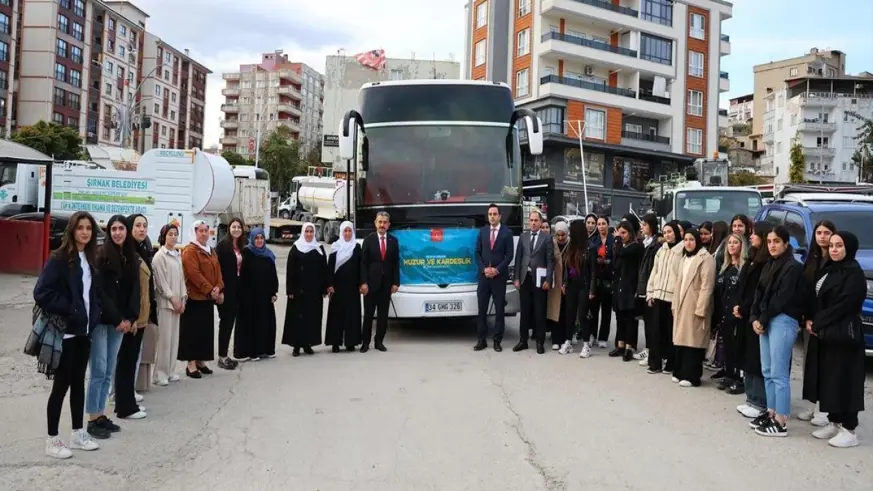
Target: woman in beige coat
x,y
149,338
556,303
692,309
171,296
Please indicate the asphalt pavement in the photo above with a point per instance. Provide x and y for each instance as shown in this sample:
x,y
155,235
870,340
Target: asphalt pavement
x,y
429,414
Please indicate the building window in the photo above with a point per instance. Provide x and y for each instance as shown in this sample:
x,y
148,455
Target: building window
x,y
158,90
4,80
173,115
164,130
695,141
822,142
4,23
523,42
63,24
60,72
78,32
695,103
121,51
636,129
481,15
658,11
79,8
521,83
552,119
157,108
480,53
395,74
4,51
523,7
656,49
698,26
173,97
60,96
110,24
75,101
123,30
108,89
792,72
58,118
695,64
76,54
595,124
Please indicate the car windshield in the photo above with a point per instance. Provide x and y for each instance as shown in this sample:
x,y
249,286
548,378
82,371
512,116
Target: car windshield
x,y
852,221
435,163
703,205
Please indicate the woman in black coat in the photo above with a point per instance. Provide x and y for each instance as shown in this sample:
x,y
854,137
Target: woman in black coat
x,y
628,254
343,279
306,286
840,291
652,241
230,255
602,245
255,335
748,344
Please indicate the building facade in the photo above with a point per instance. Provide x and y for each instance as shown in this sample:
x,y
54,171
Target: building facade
x,y
344,78
741,109
639,79
821,115
771,76
262,97
81,64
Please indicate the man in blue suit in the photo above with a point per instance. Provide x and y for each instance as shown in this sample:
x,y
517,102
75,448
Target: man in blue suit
x,y
493,254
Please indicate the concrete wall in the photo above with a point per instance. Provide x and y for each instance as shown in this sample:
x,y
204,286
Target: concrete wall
x,y
344,77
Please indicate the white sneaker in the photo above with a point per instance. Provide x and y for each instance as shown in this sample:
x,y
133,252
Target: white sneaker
x,y
643,356
138,397
820,420
586,351
81,440
805,415
141,408
56,448
685,383
574,341
174,378
567,347
844,439
674,380
602,344
137,415
828,432
749,411
556,347
162,382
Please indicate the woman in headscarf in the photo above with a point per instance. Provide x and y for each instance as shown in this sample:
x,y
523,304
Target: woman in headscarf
x,y
628,254
255,334
692,310
229,253
343,279
840,291
205,290
148,321
306,285
659,296
171,298
591,225
816,260
556,298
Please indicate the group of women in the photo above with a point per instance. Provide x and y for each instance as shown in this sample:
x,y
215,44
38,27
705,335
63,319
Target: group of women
x,y
127,313
730,297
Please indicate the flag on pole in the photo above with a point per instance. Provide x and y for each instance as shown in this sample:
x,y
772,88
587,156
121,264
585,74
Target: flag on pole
x,y
374,59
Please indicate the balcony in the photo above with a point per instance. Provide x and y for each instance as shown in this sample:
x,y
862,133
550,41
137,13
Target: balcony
x,y
289,109
616,58
723,119
647,95
724,47
645,141
290,91
290,124
230,91
818,99
230,108
230,125
228,140
572,88
607,11
818,153
813,175
231,76
724,82
815,125
290,75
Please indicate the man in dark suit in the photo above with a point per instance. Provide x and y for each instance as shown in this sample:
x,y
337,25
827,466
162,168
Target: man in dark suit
x,y
493,255
534,252
380,278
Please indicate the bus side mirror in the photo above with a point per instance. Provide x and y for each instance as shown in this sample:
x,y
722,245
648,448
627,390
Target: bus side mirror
x,y
534,134
347,133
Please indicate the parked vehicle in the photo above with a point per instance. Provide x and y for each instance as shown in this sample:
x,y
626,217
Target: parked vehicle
x,y
799,216
59,221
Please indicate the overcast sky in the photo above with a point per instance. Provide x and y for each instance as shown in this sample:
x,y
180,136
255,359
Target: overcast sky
x,y
222,34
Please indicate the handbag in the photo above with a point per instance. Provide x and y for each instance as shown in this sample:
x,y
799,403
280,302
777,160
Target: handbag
x,y
845,333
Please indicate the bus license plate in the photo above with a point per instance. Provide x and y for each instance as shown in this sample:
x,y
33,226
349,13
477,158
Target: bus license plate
x,y
443,306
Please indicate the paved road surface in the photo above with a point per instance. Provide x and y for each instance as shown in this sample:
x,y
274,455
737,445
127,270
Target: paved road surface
x,y
430,414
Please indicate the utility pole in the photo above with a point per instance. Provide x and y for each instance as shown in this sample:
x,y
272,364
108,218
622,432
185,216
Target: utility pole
x,y
579,128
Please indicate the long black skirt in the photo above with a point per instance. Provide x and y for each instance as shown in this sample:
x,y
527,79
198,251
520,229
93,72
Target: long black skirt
x,y
197,331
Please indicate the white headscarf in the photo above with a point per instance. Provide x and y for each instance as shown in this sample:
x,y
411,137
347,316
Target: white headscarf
x,y
344,248
562,227
206,248
301,243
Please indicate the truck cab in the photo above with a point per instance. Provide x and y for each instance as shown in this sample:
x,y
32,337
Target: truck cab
x,y
19,188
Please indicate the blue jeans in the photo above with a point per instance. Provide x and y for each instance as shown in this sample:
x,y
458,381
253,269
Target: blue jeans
x,y
105,341
756,395
777,345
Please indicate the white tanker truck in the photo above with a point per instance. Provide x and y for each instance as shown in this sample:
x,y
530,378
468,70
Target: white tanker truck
x,y
321,199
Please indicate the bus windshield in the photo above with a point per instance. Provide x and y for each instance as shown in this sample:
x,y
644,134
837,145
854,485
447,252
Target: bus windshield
x,y
438,163
701,205
849,220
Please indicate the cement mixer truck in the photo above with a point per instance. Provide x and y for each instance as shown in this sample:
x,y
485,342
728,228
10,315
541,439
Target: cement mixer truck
x,y
320,198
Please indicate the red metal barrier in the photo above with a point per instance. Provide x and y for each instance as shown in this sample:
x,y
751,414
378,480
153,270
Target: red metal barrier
x,y
21,247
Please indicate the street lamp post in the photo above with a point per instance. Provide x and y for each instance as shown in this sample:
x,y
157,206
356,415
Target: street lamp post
x,y
125,111
579,128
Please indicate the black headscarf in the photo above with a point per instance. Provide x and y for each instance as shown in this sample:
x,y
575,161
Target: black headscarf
x,y
144,248
674,226
686,225
697,244
852,244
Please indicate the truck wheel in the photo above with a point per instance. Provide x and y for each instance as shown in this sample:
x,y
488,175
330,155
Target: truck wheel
x,y
305,217
331,234
284,214
319,230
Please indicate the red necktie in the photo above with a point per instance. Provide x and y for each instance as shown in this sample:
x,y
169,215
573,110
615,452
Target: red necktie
x,y
382,246
493,237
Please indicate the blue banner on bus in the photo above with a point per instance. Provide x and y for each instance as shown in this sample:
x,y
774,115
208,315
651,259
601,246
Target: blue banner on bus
x,y
437,256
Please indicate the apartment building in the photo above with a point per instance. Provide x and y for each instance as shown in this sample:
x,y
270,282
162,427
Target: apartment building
x,y
771,76
80,63
262,97
821,114
741,109
8,47
642,76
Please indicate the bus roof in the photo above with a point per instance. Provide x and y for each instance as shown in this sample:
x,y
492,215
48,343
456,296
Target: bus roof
x,y
438,81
